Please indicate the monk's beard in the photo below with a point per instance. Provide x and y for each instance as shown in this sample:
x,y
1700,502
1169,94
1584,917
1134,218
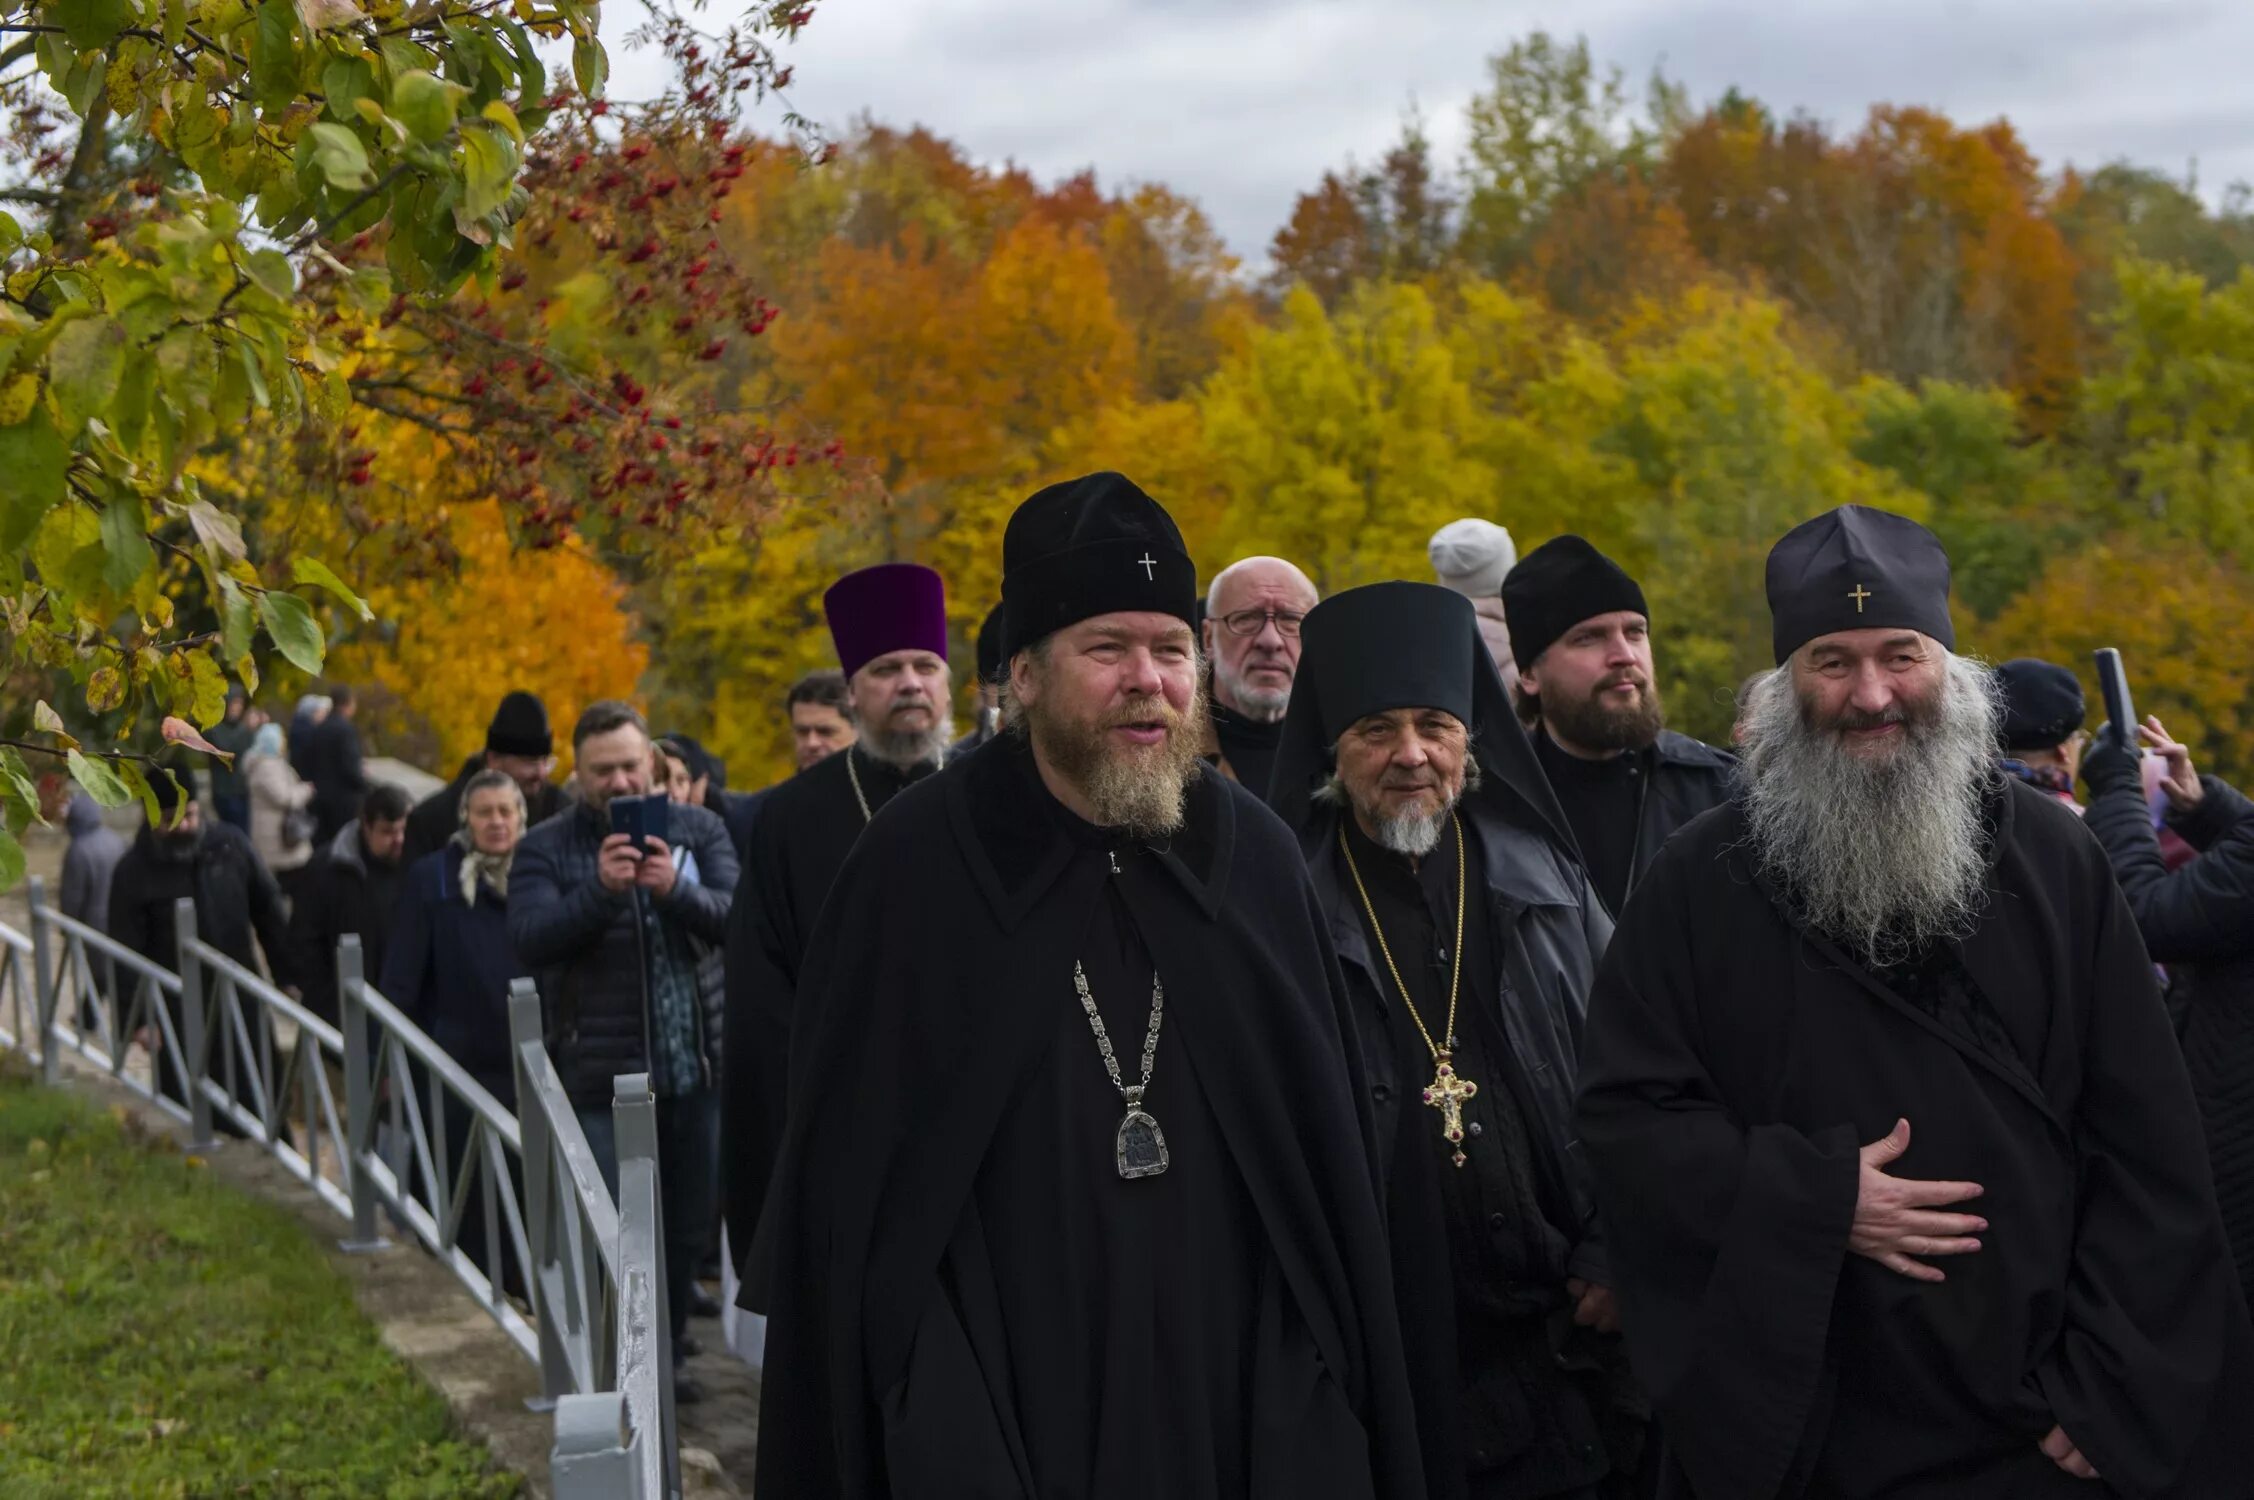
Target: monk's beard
x,y
1593,724
1415,834
906,749
1141,790
1884,853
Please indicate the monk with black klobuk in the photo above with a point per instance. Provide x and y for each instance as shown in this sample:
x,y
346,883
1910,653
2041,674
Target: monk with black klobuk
x,y
1076,1198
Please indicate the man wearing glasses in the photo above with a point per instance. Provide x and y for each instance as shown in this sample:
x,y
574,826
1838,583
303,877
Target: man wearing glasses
x,y
1252,612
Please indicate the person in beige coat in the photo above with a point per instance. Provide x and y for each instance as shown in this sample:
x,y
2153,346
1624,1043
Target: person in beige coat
x,y
280,825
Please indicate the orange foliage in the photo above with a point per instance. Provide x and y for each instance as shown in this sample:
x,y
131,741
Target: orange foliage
x,y
551,621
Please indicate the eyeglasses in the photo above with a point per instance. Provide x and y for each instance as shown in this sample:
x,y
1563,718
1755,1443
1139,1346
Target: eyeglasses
x,y
1253,621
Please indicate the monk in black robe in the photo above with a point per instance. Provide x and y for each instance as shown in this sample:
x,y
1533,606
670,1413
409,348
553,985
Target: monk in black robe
x,y
1464,922
889,624
1900,1168
1076,1200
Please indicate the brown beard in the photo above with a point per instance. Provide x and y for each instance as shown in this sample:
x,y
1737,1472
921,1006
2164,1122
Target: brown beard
x,y
1589,723
1143,792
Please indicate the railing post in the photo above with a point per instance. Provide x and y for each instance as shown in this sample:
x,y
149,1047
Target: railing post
x,y
641,1228
44,982
527,1030
359,1099
591,1459
193,1044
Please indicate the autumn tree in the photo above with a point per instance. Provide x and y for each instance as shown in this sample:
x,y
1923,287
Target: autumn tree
x,y
548,620
282,151
2183,620
1340,438
1548,124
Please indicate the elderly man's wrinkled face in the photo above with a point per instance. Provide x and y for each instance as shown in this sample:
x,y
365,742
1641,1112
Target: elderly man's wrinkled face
x,y
1402,772
1871,690
1252,635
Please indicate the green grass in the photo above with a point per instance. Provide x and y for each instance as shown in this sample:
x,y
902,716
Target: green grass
x,y
164,1335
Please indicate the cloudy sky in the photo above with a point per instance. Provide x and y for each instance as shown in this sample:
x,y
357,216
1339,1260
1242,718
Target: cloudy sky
x,y
1243,103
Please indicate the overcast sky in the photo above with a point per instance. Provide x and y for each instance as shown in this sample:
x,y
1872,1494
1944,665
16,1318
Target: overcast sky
x,y
1242,104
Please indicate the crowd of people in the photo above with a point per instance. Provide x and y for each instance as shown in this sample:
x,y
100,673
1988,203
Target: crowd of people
x,y
1350,1046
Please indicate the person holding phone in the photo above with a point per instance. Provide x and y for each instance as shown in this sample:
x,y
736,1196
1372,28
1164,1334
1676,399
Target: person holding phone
x,y
627,952
2199,921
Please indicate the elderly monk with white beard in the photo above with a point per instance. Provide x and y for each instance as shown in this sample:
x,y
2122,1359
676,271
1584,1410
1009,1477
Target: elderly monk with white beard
x,y
1076,1199
1899,1166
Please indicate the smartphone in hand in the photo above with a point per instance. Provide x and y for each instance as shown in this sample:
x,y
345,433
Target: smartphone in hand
x,y
641,818
2113,687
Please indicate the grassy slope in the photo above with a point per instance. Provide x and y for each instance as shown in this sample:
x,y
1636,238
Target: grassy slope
x,y
162,1335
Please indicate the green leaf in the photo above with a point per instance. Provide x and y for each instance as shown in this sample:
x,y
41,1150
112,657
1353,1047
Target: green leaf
x,y
11,860
488,168
125,544
237,619
312,570
34,459
138,784
93,23
273,55
11,233
590,66
222,537
345,82
136,395
83,368
339,156
15,780
47,721
99,779
500,114
297,635
270,271
425,104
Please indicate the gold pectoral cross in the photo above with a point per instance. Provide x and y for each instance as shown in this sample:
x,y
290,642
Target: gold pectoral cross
x,y
1447,1094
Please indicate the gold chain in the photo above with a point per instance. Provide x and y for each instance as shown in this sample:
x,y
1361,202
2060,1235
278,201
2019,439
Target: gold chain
x,y
1455,977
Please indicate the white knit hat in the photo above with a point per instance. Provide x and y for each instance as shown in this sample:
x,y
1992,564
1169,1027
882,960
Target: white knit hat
x,y
1471,556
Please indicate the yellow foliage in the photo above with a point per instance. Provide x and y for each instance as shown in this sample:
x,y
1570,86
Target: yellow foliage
x,y
2183,620
552,621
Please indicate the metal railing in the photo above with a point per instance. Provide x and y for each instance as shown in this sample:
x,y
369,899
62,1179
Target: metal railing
x,y
513,1205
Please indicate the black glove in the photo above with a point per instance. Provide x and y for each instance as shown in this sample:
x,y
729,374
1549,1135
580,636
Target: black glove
x,y
2109,765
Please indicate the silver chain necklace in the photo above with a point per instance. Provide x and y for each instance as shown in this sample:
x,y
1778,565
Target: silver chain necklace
x,y
853,774
1141,1146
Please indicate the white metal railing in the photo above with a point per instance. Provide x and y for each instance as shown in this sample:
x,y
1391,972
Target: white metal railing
x,y
516,1208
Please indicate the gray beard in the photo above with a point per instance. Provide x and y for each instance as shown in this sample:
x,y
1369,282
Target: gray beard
x,y
1413,834
1260,705
1882,854
906,751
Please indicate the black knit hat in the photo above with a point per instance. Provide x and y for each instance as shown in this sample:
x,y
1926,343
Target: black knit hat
x,y
1557,586
1855,568
1091,546
2043,704
990,660
520,727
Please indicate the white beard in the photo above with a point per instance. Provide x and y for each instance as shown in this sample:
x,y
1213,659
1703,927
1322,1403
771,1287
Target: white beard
x,y
1884,853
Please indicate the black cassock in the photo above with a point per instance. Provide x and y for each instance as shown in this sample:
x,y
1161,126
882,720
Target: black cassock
x,y
965,1298
807,825
1732,1068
